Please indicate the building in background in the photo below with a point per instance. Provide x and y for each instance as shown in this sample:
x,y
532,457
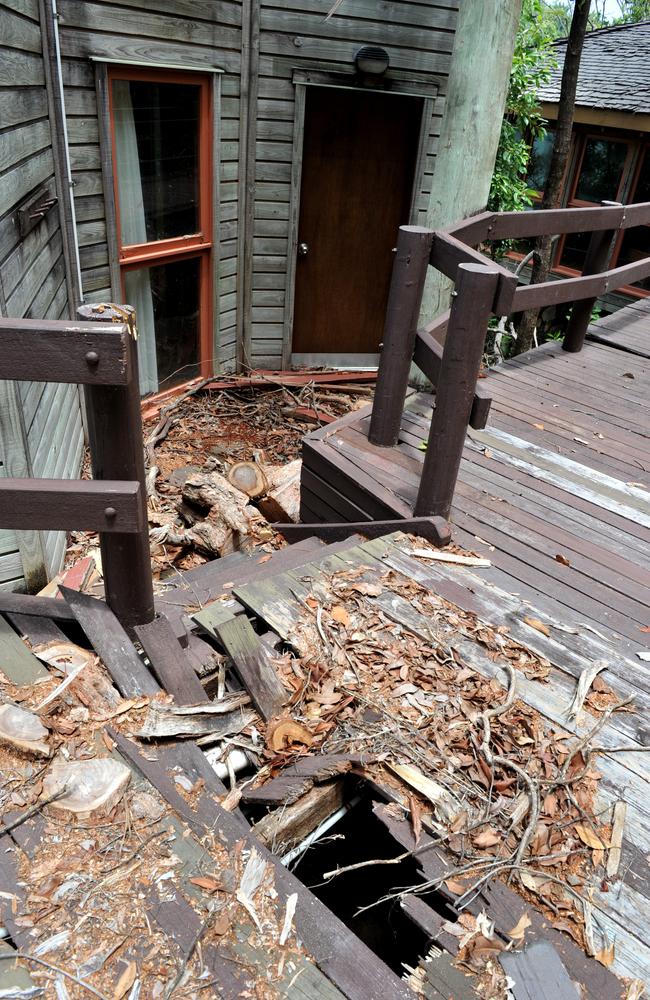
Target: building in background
x,y
610,156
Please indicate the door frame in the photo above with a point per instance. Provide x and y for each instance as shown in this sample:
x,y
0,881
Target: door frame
x,y
307,78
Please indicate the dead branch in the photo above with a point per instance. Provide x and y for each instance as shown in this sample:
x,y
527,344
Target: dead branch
x,y
11,955
33,810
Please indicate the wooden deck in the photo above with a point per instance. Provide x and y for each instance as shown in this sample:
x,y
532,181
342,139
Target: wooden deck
x,y
270,597
555,491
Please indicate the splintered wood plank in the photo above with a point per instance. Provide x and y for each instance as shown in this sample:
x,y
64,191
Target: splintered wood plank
x,y
286,827
169,662
254,664
446,981
112,644
536,973
505,907
343,958
298,778
17,662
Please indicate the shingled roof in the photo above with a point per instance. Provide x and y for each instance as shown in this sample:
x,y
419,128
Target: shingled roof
x,y
614,70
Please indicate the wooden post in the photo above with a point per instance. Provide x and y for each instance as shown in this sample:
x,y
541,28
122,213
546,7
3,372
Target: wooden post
x,y
476,287
115,437
598,254
406,287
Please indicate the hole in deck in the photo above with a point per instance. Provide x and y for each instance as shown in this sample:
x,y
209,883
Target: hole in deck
x,y
385,929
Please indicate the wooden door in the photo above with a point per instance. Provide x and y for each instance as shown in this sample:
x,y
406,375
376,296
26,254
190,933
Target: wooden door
x,y
359,157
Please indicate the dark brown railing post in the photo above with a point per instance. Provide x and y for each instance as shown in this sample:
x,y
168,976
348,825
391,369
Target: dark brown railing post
x,y
404,300
476,287
596,260
116,448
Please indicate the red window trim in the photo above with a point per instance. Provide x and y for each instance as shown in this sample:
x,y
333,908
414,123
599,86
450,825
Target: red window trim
x,y
182,247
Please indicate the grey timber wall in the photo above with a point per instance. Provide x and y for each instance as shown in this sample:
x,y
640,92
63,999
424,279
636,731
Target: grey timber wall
x,y
195,34
294,35
41,430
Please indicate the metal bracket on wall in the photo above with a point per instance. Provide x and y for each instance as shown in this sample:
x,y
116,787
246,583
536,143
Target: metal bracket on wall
x,y
34,209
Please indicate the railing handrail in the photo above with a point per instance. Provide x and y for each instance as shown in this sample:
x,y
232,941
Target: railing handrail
x,y
548,222
483,288
456,245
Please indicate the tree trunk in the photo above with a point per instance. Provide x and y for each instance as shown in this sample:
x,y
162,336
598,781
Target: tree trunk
x,y
559,161
471,125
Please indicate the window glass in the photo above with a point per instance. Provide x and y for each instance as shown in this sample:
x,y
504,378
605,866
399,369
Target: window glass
x,y
540,161
642,189
601,170
156,129
634,246
575,250
166,300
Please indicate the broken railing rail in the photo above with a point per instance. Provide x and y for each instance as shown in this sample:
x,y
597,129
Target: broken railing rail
x,y
102,357
449,350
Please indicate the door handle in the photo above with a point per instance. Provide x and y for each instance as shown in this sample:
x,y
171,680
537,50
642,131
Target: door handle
x,y
303,249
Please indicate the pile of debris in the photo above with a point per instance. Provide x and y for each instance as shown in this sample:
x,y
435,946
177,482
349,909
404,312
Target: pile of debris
x,y
223,461
328,674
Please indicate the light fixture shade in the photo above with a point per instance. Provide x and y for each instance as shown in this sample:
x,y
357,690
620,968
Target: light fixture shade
x,y
372,60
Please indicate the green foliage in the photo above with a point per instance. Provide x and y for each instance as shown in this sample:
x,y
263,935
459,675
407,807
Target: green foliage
x,y
632,11
532,64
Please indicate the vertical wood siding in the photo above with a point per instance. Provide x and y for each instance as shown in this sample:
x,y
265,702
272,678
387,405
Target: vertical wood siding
x,y
200,33
32,270
294,34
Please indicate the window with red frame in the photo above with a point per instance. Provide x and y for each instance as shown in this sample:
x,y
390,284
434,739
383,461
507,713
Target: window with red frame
x,y
161,136
599,177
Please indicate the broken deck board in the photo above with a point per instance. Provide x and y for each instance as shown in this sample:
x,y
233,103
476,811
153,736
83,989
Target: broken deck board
x,y
341,956
112,644
253,663
298,778
505,908
170,663
538,974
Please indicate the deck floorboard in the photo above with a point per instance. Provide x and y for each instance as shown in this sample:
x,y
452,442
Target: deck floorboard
x,y
561,474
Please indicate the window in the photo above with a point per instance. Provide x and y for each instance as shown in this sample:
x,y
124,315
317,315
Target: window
x,y
540,161
161,133
598,178
634,244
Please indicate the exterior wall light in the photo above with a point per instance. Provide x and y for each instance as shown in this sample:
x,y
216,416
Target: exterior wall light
x,y
371,60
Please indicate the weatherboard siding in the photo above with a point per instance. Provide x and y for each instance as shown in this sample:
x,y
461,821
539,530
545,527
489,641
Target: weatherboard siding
x,y
35,418
197,34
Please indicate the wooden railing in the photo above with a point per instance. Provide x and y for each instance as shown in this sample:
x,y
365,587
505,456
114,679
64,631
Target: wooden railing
x,y
449,350
102,357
